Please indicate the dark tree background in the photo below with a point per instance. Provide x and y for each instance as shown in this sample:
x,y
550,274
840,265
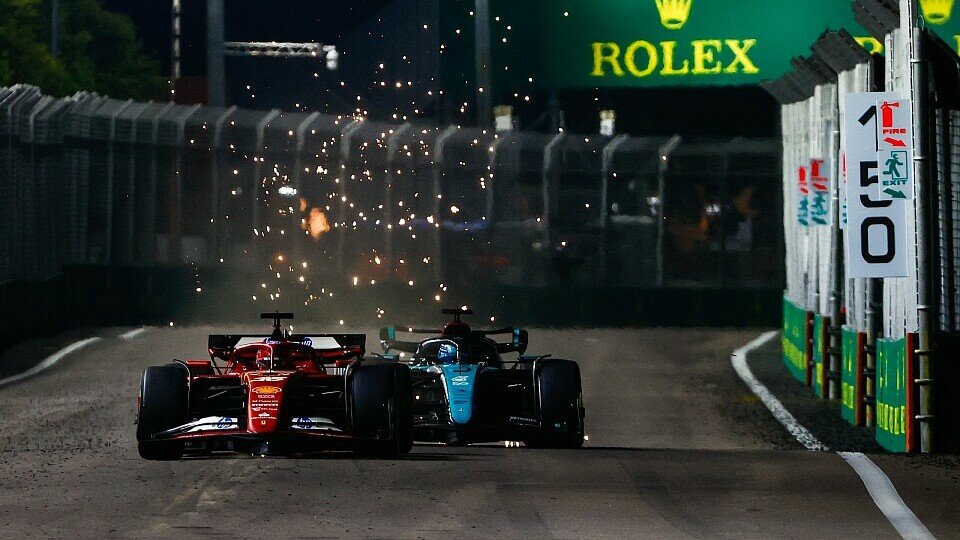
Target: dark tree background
x,y
99,51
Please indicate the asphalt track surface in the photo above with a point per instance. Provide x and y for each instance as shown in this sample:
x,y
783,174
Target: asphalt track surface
x,y
678,447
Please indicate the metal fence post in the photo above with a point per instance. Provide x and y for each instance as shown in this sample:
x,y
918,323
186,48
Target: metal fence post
x,y
346,139
921,119
258,167
834,342
437,179
392,148
111,138
216,230
665,152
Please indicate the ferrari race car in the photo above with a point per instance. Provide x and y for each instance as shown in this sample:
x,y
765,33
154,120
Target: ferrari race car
x,y
276,393
465,392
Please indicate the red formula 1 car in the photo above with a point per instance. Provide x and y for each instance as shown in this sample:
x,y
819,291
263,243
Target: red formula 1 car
x,y
277,393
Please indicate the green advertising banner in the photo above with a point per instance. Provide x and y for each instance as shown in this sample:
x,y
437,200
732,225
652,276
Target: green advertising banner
x,y
577,44
851,375
819,340
794,340
891,413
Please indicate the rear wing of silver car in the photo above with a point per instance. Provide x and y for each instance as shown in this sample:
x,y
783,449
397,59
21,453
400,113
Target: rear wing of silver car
x,y
389,341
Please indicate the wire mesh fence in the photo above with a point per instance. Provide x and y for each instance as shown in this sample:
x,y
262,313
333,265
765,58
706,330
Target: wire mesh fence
x,y
93,180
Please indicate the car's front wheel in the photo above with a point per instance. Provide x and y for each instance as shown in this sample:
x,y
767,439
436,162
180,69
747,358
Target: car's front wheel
x,y
163,405
381,409
560,401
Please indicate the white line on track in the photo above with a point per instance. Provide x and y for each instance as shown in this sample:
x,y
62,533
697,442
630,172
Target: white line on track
x,y
878,485
133,333
739,361
886,498
48,362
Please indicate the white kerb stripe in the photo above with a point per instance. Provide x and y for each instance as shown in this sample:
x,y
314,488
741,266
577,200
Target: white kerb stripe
x,y
48,362
739,361
878,485
886,498
133,333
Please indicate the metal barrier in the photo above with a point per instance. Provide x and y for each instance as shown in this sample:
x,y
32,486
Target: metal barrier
x,y
633,203
92,180
892,324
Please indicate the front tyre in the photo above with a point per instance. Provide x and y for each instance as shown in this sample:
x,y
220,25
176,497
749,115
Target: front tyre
x,y
163,405
560,400
381,409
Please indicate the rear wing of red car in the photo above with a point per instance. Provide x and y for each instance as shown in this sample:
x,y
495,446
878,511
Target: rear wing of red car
x,y
389,341
222,345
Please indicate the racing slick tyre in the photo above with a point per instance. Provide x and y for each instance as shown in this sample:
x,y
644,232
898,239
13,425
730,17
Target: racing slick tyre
x,y
381,409
163,405
560,399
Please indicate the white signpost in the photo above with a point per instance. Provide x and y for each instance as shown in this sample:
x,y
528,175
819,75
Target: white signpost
x,y
875,235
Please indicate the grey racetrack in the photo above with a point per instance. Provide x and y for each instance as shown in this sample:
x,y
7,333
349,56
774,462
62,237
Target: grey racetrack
x,y
677,447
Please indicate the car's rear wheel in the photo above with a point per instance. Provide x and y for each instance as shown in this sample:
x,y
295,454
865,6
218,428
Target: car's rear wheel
x,y
560,401
163,405
380,405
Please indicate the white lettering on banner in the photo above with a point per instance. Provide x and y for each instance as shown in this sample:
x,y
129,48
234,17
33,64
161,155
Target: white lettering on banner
x,y
875,236
820,189
895,150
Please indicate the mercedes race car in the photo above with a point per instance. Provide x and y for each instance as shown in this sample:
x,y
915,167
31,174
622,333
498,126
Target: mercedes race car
x,y
465,392
276,393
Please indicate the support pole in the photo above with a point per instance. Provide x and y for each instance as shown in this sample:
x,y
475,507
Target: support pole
x,y
483,62
54,28
836,272
921,126
215,63
175,14
872,313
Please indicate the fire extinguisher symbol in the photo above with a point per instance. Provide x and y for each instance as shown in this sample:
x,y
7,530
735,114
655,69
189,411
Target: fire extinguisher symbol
x,y
887,125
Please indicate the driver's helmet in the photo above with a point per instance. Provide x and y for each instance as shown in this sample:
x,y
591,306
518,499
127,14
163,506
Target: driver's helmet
x,y
263,359
447,353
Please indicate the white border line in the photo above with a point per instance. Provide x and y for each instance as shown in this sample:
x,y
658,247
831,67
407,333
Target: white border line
x,y
48,362
878,485
739,361
133,333
885,496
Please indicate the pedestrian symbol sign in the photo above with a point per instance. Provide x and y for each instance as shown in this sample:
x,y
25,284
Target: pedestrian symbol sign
x,y
894,174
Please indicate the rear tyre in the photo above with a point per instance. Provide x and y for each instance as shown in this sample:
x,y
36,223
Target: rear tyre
x,y
381,409
560,399
163,405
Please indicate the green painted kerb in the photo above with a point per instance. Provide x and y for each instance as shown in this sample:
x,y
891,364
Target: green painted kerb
x,y
892,394
794,335
850,343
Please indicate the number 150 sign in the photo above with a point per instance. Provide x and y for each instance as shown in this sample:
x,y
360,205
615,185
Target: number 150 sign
x,y
876,232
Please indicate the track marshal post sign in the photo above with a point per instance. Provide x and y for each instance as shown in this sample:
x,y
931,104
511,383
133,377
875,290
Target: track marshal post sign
x,y
875,235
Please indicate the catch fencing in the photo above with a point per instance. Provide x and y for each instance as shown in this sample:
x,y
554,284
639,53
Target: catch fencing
x,y
89,179
866,341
